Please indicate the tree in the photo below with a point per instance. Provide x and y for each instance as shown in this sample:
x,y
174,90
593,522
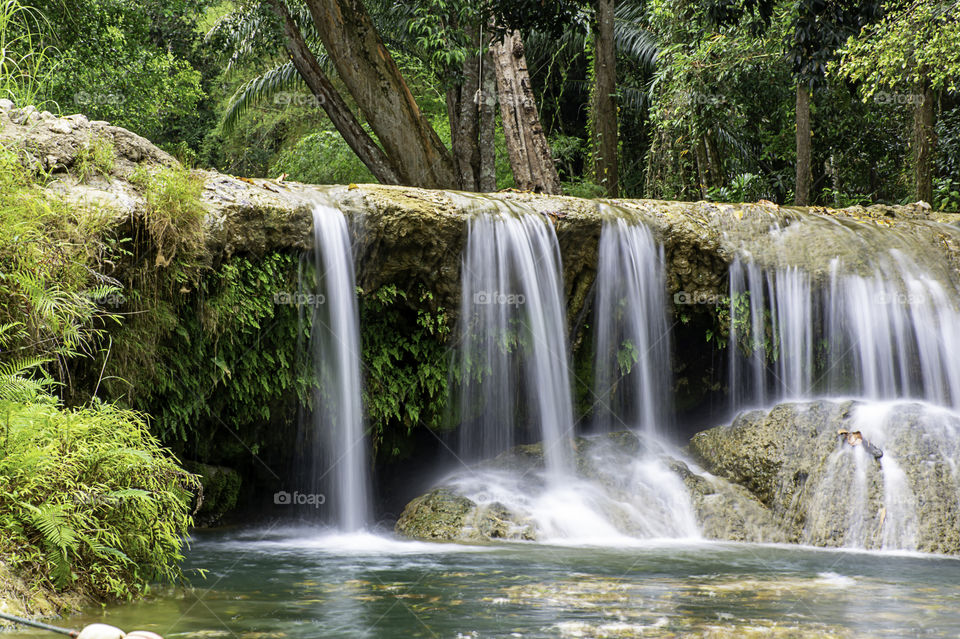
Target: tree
x,y
604,101
336,109
530,157
818,31
371,76
916,45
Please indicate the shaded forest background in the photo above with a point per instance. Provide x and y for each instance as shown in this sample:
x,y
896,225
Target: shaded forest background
x,y
828,103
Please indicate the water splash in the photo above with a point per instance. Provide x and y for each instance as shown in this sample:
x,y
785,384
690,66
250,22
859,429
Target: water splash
x,y
336,465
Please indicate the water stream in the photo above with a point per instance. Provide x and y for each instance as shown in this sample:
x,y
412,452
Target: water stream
x,y
336,467
300,584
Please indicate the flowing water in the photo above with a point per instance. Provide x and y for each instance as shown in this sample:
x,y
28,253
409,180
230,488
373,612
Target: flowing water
x,y
881,325
513,342
303,584
336,466
632,338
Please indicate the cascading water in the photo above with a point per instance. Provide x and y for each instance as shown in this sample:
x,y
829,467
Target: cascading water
x,y
884,328
336,463
890,333
632,338
513,339
514,361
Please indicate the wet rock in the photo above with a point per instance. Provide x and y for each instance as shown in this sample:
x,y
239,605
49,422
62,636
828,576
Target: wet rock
x,y
221,490
728,512
827,493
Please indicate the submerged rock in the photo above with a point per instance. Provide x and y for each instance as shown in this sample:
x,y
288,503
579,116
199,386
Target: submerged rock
x,y
826,492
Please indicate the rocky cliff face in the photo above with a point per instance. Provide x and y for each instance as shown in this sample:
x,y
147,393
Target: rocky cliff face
x,y
410,235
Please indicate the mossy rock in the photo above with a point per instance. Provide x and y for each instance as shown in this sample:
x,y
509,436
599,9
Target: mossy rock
x,y
825,493
221,491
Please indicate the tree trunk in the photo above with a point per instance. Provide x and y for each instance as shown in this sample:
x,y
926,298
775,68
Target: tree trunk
x,y
804,143
702,170
530,157
336,109
924,141
373,79
604,100
715,176
487,103
465,125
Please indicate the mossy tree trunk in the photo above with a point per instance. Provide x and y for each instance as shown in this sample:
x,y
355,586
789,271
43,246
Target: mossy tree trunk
x,y
488,122
604,100
373,79
804,146
924,140
464,114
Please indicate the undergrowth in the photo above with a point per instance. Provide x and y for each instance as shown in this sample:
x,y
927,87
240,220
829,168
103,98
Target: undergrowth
x,y
90,499
406,360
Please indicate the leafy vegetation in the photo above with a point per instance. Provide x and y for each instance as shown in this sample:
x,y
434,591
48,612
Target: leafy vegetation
x,y
406,358
90,499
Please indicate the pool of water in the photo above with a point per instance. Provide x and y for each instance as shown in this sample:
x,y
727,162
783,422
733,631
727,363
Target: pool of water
x,y
298,582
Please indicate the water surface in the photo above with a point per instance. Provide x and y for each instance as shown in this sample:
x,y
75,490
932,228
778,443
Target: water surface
x,y
283,582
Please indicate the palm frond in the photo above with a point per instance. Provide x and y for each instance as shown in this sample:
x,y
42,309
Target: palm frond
x,y
633,39
283,77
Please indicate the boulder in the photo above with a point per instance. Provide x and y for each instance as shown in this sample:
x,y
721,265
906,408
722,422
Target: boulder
x,y
797,461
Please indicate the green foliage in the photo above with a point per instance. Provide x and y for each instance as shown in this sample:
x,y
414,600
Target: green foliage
x,y
90,499
97,156
914,44
322,158
406,359
946,194
174,216
745,187
50,287
139,65
223,354
26,63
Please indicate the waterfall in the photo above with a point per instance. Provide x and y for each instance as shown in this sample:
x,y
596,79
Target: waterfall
x,y
883,328
513,344
632,338
514,364
885,335
337,458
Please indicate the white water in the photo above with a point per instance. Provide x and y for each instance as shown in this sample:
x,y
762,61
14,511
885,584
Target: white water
x,y
516,356
893,334
337,467
513,342
632,337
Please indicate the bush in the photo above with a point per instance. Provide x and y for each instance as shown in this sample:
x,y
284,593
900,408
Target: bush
x,y
90,499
